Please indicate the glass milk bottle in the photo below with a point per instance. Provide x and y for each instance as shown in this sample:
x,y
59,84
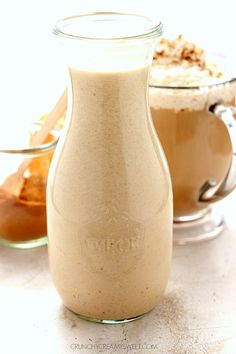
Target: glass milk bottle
x,y
109,199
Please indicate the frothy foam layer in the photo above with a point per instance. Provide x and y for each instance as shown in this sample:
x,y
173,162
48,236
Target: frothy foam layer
x,y
191,99
186,75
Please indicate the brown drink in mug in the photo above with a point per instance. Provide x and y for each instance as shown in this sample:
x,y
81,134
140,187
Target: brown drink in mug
x,y
192,99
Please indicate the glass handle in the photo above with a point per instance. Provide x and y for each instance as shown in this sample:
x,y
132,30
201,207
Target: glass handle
x,y
210,190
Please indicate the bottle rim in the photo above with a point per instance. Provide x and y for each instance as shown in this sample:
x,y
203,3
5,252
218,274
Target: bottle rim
x,y
78,27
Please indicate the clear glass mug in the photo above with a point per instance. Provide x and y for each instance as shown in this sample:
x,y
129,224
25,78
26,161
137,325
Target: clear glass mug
x,y
197,129
23,216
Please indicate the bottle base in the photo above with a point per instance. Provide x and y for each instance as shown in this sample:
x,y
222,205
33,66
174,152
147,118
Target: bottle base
x,y
205,228
42,241
109,321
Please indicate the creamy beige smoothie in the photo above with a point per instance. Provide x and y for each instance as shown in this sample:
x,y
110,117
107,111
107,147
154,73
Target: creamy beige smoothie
x,y
196,143
109,200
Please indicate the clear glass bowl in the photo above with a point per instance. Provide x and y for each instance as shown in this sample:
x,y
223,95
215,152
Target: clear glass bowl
x,y
23,216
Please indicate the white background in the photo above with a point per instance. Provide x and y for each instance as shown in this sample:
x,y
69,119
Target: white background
x,y
32,74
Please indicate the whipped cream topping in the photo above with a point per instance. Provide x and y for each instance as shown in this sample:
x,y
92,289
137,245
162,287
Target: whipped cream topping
x,y
181,63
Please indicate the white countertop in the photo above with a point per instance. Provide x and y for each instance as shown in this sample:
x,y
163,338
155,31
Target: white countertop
x,y
197,314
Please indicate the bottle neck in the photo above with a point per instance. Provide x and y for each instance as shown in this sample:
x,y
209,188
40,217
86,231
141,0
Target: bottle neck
x,y
108,40
110,57
109,97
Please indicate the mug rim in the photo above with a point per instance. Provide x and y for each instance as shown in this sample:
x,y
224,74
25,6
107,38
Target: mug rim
x,y
200,87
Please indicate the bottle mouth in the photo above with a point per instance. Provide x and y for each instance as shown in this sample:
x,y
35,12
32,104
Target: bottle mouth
x,y
108,26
